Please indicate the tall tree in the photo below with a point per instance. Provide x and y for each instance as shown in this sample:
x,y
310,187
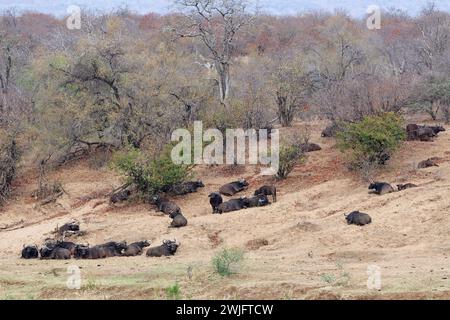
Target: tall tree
x,y
215,23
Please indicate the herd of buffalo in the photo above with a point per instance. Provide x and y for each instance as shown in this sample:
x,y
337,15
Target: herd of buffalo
x,y
60,249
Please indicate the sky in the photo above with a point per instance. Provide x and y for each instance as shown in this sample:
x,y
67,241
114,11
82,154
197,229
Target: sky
x,y
356,8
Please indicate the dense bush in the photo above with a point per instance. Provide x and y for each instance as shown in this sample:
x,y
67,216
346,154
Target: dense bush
x,y
372,140
150,176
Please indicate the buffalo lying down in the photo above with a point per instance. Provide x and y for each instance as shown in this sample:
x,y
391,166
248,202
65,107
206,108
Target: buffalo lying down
x,y
185,187
432,162
68,228
256,201
331,131
267,191
136,248
109,249
166,206
231,205
232,188
178,220
168,248
66,245
358,218
84,252
30,252
422,133
120,196
381,188
54,253
401,187
113,248
309,147
215,199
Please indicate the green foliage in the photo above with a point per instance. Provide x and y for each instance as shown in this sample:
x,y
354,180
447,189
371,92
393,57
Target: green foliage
x,y
372,139
173,292
290,156
226,261
150,176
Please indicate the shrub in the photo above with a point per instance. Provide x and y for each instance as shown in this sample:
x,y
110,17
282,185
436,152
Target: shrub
x,y
226,261
173,292
290,156
150,176
372,140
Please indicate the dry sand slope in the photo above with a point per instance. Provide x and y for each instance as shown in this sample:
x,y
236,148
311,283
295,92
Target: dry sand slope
x,y
299,247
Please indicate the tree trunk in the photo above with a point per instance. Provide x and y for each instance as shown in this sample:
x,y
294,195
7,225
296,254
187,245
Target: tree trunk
x,y
285,114
223,71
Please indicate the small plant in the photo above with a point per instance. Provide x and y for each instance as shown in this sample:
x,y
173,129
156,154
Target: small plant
x,y
341,278
328,278
226,261
90,285
173,292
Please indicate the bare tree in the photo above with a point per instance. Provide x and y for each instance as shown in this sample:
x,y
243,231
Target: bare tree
x,y
215,23
292,85
434,28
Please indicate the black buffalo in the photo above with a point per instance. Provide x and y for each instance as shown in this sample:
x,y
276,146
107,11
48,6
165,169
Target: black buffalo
x,y
73,226
231,205
113,248
381,188
331,130
432,162
166,206
401,187
215,199
309,147
85,252
267,191
30,252
358,218
232,188
185,187
168,248
120,196
178,221
256,201
54,253
422,133
136,248
66,245
106,250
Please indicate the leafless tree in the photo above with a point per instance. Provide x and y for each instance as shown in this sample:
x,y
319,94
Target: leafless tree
x,y
216,23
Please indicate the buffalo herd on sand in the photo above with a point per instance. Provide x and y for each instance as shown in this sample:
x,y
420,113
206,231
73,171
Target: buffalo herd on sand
x,y
61,249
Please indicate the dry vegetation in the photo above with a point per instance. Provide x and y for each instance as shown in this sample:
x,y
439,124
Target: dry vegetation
x,y
70,99
299,247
